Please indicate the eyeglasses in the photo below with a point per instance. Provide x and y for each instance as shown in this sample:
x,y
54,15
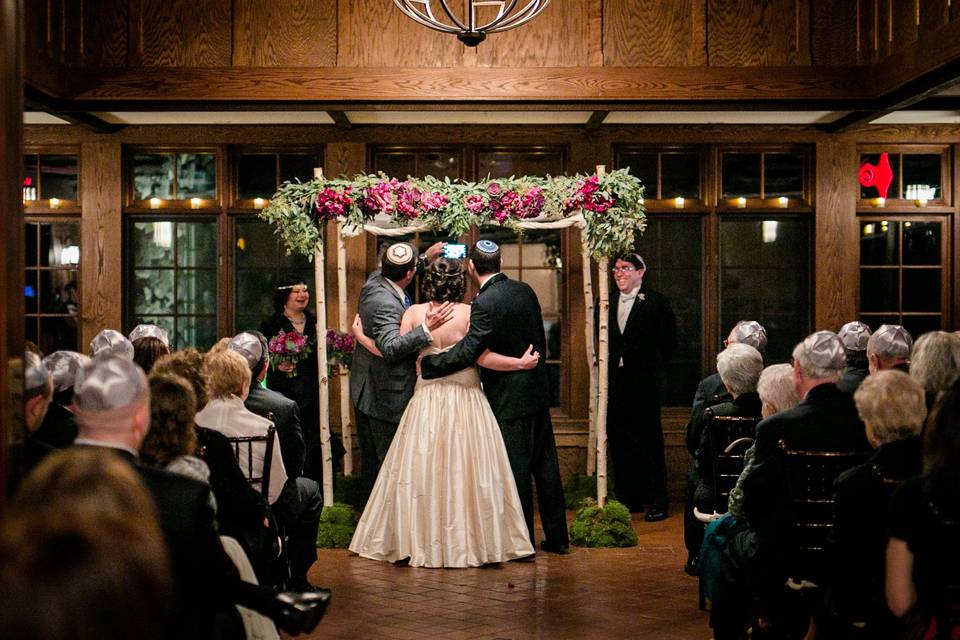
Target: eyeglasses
x,y
617,270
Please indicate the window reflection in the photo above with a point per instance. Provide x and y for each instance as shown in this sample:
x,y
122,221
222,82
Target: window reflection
x,y
52,285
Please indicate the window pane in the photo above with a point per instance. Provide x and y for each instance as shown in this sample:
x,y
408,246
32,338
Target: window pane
x,y
783,175
503,164
196,291
30,244
298,166
921,243
874,159
395,165
921,175
919,325
153,291
58,291
197,244
30,173
878,290
199,332
672,250
440,164
254,298
59,244
921,289
196,175
769,260
741,175
644,167
256,245
153,176
256,176
57,334
680,175
879,243
153,244
31,291
58,177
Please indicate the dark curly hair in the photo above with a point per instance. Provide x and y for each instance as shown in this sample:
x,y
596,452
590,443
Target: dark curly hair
x,y
172,408
445,281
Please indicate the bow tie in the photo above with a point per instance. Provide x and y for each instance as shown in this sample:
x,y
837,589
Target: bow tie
x,y
629,297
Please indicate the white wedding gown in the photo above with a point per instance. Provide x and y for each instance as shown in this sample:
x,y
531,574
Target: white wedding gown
x,y
445,496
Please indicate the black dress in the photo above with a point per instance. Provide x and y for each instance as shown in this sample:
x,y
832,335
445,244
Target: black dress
x,y
302,388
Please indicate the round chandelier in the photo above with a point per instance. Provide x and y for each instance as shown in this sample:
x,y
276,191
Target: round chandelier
x,y
467,29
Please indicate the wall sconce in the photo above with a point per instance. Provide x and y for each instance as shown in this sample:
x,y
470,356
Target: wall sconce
x,y
154,203
880,202
54,203
195,203
741,203
678,202
782,202
259,203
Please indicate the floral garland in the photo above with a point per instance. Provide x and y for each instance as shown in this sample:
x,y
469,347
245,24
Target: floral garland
x,y
611,206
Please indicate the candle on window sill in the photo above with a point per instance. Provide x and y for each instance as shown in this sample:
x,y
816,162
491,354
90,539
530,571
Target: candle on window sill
x,y
54,203
259,203
318,173
879,202
679,202
741,203
195,203
154,203
782,202
920,202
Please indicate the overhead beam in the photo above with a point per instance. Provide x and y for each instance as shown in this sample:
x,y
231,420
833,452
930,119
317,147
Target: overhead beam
x,y
35,100
340,119
596,119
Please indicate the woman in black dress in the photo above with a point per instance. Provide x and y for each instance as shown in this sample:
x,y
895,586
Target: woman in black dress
x,y
291,313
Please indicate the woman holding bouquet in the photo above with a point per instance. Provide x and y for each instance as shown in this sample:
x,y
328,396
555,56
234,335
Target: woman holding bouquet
x,y
297,380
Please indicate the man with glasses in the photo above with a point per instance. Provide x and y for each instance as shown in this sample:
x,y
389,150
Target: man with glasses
x,y
643,336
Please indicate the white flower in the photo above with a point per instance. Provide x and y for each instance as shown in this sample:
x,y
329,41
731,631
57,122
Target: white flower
x,y
641,297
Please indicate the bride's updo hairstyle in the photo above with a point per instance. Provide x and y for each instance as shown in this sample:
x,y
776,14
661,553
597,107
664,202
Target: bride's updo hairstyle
x,y
445,281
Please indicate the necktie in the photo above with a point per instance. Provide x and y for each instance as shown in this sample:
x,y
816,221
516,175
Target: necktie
x,y
406,300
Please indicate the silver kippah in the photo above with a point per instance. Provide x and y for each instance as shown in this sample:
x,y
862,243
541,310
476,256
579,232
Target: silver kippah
x,y
150,331
63,366
35,375
110,342
891,340
752,333
825,350
109,382
487,246
400,253
248,345
854,336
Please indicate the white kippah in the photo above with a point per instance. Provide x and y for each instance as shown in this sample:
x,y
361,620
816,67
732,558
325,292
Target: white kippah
x,y
824,350
400,253
892,341
110,342
109,382
247,345
35,375
854,336
752,333
63,366
487,246
150,331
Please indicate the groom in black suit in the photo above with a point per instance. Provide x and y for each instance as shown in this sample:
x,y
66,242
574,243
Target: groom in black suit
x,y
505,318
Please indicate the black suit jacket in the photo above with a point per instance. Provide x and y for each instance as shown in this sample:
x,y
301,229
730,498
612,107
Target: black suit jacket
x,y
286,417
59,427
710,392
826,420
648,340
506,319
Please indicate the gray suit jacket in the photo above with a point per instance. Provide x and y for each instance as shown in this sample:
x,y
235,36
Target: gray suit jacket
x,y
381,387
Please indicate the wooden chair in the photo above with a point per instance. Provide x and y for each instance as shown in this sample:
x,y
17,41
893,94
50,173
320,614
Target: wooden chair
x,y
730,437
243,448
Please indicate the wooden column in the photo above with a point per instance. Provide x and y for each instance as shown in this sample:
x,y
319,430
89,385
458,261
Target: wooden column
x,y
11,243
835,235
101,232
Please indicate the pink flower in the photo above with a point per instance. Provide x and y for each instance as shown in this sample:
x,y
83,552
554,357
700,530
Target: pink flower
x,y
494,188
433,200
473,203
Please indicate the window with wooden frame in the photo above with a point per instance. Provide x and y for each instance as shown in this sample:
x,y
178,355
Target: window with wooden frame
x,y
51,198
768,178
919,176
671,176
172,179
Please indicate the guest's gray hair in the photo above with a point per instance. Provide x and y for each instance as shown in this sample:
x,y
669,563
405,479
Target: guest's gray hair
x,y
935,361
776,387
739,366
892,403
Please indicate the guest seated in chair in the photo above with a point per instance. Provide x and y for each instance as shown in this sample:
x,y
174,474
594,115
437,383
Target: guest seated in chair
x,y
892,408
889,348
739,367
935,362
854,336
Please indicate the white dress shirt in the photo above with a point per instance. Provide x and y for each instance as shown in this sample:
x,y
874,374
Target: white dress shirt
x,y
231,418
625,305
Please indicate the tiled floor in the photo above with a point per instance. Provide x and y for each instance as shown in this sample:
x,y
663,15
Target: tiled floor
x,y
639,592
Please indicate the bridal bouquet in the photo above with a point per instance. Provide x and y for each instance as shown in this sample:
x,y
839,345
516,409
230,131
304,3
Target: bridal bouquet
x,y
289,347
339,351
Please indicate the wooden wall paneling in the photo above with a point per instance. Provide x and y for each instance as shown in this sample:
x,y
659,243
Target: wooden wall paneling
x,y
934,14
180,33
646,33
746,33
869,29
904,24
105,33
374,33
834,38
293,33
101,237
836,239
11,241
559,37
933,50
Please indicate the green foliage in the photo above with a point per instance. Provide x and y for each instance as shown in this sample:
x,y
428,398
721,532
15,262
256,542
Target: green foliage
x,y
606,527
337,524
581,488
350,490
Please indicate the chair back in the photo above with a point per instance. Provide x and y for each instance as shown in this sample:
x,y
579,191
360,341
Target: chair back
x,y
243,447
810,477
730,437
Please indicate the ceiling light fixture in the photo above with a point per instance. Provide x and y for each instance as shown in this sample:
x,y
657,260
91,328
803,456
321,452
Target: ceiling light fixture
x,y
468,30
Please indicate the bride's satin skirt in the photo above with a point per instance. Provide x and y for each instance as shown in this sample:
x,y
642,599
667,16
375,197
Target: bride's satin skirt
x,y
445,496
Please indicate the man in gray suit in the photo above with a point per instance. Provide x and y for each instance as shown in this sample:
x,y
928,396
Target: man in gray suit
x,y
381,384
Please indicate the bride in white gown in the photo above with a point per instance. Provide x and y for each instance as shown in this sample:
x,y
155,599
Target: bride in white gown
x,y
445,496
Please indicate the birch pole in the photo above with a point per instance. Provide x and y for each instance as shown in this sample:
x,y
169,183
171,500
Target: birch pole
x,y
591,354
323,382
603,371
346,432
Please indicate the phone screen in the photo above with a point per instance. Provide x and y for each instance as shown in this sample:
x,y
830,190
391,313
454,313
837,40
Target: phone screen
x,y
455,251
